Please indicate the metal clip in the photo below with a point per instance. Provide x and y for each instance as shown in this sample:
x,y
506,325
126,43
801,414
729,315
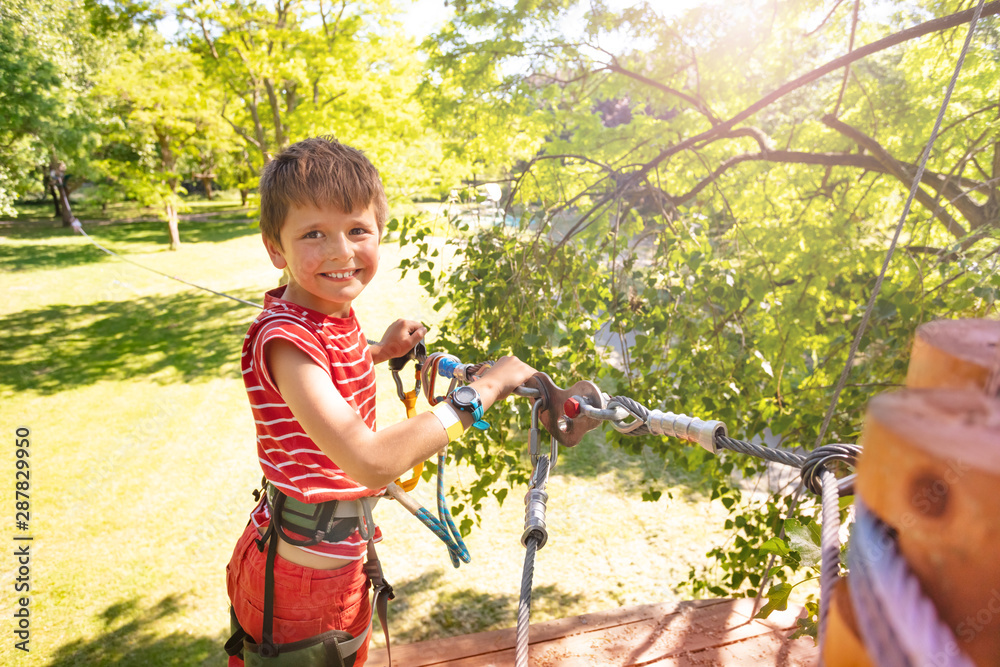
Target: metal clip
x,y
687,428
534,434
419,354
534,439
535,504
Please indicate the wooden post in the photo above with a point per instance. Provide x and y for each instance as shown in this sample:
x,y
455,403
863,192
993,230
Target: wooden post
x,y
954,353
931,470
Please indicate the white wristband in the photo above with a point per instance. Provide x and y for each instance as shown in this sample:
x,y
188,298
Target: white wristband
x,y
448,417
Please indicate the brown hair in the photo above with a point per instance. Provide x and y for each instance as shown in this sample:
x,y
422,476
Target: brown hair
x,y
320,172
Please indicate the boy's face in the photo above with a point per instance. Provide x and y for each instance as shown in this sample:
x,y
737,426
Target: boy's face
x,y
330,256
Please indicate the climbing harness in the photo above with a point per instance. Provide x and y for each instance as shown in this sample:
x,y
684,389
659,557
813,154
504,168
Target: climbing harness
x,y
330,521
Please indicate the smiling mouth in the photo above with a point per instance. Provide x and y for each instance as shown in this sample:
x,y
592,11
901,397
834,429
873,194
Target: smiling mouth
x,y
341,275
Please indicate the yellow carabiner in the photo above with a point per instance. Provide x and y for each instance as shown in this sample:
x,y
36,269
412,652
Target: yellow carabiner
x,y
410,401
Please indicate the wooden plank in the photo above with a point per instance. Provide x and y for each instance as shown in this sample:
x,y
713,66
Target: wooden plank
x,y
466,646
699,632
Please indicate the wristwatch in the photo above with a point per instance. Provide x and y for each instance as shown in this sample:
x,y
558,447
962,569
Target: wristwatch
x,y
467,399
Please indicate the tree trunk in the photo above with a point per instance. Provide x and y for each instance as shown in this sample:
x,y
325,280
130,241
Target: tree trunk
x,y
55,199
244,193
175,235
207,184
57,183
66,211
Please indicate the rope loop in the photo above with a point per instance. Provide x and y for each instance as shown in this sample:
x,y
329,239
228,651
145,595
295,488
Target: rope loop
x,y
823,458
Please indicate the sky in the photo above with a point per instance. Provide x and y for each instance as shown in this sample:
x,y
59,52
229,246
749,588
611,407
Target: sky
x,y
422,17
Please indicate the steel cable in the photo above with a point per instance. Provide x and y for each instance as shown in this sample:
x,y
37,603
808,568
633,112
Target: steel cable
x,y
842,381
769,453
524,604
900,626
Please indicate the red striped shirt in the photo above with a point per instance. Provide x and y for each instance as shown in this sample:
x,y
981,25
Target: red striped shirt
x,y
289,458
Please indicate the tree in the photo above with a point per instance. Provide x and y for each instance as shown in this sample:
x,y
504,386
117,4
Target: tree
x,y
298,69
720,186
49,53
27,85
166,123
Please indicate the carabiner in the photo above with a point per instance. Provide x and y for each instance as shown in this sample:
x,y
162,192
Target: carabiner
x,y
534,436
419,356
409,398
431,370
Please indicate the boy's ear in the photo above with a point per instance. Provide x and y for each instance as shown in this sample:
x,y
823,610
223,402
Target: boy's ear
x,y
277,258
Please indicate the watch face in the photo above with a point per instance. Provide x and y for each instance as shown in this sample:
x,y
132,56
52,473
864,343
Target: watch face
x,y
465,395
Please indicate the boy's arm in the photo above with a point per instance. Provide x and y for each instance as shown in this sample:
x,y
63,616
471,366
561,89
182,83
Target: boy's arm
x,y
398,339
371,459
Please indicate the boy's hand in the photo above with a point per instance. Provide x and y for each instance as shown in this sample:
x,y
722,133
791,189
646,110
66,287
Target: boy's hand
x,y
506,375
398,339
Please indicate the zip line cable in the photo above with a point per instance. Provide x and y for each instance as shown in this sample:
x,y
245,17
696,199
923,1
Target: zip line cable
x,y
899,227
79,229
830,564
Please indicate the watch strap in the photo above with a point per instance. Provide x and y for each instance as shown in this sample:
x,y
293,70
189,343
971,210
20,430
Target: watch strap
x,y
475,409
480,423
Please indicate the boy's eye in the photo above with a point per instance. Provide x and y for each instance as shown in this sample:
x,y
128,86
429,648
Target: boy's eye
x,y
314,234
360,230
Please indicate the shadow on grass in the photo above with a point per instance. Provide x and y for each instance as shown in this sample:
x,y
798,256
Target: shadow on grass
x,y
130,640
188,336
467,611
59,247
633,471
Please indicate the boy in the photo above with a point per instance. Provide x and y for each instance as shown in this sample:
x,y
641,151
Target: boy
x,y
310,379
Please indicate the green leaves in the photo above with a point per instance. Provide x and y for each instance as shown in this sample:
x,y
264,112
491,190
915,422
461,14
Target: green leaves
x,y
777,600
804,539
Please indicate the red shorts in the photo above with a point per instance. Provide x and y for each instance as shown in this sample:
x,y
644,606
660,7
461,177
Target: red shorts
x,y
307,602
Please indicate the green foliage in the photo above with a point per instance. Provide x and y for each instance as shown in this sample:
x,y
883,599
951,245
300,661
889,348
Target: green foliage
x,y
740,266
300,69
161,122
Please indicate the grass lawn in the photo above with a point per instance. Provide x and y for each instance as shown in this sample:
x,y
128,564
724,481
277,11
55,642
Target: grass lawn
x,y
85,207
143,460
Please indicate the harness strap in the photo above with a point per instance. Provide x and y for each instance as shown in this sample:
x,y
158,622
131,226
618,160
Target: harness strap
x,y
381,594
346,645
329,521
267,648
234,646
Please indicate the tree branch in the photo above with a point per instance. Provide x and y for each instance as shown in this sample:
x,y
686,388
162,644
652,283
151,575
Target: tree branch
x,y
934,25
972,211
208,40
279,132
919,30
240,131
699,105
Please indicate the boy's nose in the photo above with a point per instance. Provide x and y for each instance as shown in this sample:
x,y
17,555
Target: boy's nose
x,y
338,247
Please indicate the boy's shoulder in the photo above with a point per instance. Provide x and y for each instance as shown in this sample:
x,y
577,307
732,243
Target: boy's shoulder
x,y
317,334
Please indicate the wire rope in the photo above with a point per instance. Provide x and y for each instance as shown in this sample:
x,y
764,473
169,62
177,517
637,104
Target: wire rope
x,y
899,227
79,228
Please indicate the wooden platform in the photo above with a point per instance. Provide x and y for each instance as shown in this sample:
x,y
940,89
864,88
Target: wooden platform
x,y
682,634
